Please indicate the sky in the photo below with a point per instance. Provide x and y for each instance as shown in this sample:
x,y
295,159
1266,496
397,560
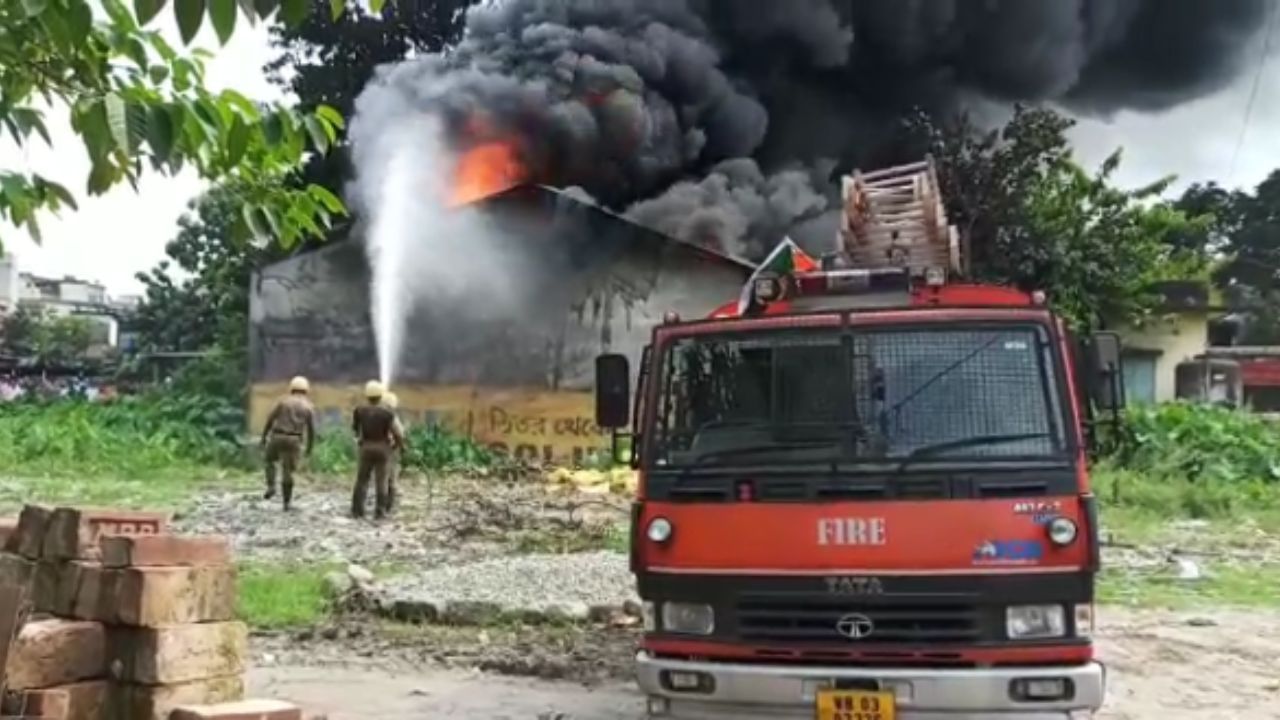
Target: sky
x,y
114,236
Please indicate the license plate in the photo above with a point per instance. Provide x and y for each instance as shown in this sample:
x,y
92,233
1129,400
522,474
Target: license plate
x,y
855,705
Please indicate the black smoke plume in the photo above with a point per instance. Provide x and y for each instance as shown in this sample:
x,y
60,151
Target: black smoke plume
x,y
711,119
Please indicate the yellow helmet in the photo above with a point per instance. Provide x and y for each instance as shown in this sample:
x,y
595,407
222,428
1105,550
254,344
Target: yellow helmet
x,y
373,389
391,400
299,384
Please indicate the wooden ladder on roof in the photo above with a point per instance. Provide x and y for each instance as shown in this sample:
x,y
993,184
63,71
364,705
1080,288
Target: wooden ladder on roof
x,y
895,217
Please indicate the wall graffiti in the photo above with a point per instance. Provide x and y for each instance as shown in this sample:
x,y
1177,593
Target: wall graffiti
x,y
544,426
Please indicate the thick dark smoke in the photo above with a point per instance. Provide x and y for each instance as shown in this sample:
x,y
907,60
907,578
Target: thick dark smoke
x,y
710,119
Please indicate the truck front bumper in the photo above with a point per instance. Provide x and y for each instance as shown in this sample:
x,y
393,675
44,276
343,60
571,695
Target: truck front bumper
x,y
781,691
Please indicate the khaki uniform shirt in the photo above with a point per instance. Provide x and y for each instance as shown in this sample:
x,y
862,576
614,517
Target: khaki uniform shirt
x,y
293,415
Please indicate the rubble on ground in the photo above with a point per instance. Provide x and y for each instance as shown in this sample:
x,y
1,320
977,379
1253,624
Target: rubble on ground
x,y
578,587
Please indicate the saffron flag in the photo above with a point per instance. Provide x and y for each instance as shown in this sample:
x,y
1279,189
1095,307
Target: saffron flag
x,y
785,259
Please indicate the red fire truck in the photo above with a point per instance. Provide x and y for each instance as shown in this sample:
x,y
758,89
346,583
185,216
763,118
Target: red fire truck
x,y
863,486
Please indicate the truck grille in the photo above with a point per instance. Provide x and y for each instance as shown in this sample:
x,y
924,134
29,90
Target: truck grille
x,y
792,620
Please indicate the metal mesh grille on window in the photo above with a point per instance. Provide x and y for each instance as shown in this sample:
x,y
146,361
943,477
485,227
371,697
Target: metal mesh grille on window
x,y
943,386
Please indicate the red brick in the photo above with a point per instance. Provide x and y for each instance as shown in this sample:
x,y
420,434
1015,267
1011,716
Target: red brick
x,y
44,586
177,654
32,524
15,569
165,550
162,596
8,531
48,653
73,533
243,710
79,701
157,702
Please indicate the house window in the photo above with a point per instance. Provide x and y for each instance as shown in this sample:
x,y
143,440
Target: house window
x,y
1140,377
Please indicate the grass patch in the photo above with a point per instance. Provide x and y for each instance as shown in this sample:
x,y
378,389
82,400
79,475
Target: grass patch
x,y
282,596
164,492
1253,586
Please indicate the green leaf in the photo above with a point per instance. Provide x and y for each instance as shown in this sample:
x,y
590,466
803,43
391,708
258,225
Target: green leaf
x,y
336,8
327,199
222,13
117,120
56,25
79,21
318,135
293,12
250,12
237,141
64,196
238,102
137,52
146,10
160,132
101,178
253,218
273,129
27,120
190,15
185,74
266,7
375,6
89,119
330,116
34,7
158,74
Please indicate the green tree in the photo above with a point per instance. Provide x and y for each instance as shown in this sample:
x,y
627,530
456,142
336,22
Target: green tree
x,y
207,310
327,61
137,103
1031,217
33,333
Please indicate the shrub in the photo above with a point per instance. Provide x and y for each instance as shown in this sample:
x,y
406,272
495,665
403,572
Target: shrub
x,y
1200,443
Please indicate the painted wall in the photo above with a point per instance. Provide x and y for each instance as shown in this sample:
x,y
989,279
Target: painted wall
x,y
590,283
1175,338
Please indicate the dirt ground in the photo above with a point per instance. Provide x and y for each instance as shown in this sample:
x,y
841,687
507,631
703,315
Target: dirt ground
x,y
1172,666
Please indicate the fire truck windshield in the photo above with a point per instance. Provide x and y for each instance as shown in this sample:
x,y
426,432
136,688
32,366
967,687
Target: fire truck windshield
x,y
930,393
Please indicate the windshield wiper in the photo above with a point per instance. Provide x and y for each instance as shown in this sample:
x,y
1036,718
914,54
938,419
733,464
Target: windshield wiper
x,y
911,396
925,451
752,449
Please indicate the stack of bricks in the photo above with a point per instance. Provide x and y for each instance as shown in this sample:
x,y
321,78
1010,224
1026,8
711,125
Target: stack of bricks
x,y
128,621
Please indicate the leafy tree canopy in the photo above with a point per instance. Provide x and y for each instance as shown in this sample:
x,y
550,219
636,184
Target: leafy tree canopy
x,y
326,60
36,334
1033,218
137,103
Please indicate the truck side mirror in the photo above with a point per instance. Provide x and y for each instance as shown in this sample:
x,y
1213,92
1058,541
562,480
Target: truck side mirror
x,y
613,391
1104,366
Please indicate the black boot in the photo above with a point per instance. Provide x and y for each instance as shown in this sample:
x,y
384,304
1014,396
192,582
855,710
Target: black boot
x,y
288,496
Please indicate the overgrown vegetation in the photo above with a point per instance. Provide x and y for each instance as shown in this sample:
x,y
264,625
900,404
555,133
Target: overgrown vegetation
x,y
140,436
171,435
277,596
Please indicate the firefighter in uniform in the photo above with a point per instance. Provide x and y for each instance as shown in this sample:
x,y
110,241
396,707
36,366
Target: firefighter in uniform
x,y
290,421
397,453
377,435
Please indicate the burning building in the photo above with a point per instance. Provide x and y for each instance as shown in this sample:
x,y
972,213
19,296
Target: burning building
x,y
592,281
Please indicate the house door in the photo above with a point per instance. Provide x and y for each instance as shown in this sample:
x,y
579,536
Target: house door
x,y
1140,379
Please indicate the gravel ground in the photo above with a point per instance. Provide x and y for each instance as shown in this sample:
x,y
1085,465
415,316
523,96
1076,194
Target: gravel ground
x,y
1173,666
441,521
525,581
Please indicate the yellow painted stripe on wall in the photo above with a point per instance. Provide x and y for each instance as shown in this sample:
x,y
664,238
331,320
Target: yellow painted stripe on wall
x,y
531,424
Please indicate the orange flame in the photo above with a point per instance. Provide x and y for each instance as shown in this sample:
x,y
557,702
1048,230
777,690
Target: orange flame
x,y
486,169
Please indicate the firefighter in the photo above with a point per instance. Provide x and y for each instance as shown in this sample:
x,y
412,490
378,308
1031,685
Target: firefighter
x,y
292,419
397,453
376,434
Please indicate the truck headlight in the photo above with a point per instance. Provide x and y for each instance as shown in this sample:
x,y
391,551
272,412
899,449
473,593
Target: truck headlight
x,y
688,618
1028,622
660,530
1063,531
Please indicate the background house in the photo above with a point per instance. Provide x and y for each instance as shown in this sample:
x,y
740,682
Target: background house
x,y
1177,333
